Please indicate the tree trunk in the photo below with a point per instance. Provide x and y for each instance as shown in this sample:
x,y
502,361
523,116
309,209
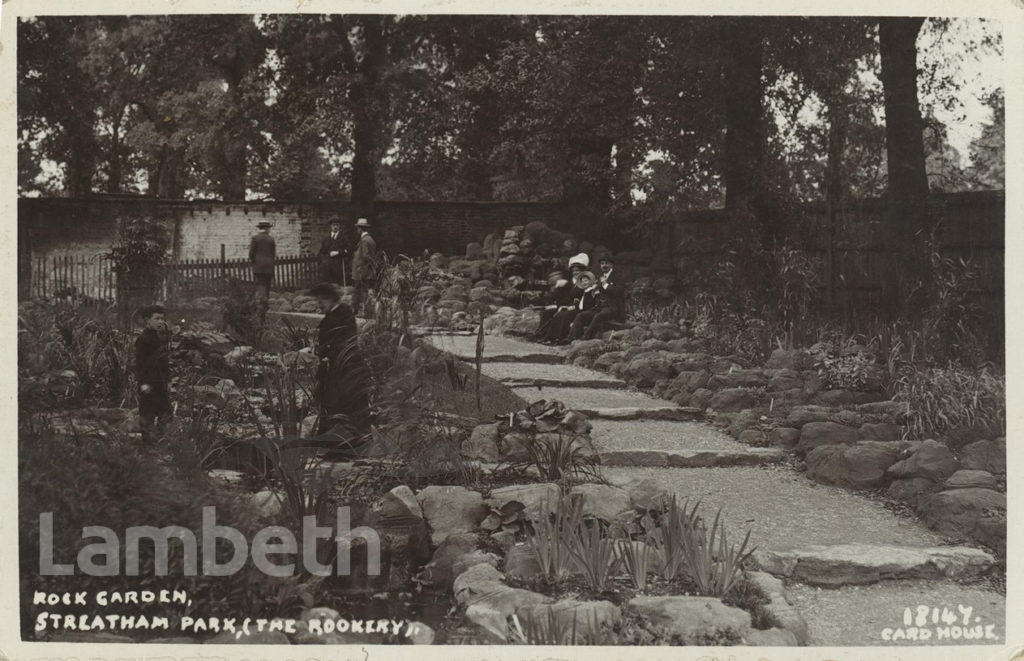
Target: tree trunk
x,y
368,104
907,178
165,178
114,169
744,139
834,192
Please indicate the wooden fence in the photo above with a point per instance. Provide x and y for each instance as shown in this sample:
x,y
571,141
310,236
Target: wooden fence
x,y
93,278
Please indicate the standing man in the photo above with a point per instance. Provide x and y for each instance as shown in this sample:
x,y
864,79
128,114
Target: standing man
x,y
262,253
153,372
363,264
343,377
332,255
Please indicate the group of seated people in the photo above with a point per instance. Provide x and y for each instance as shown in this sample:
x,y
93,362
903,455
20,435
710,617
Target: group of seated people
x,y
581,306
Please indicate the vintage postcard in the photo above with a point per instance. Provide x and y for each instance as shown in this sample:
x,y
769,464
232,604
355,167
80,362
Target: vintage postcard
x,y
509,331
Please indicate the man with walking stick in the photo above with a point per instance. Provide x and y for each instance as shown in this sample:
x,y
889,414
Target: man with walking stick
x,y
333,251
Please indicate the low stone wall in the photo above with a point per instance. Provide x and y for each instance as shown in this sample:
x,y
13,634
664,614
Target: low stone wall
x,y
852,438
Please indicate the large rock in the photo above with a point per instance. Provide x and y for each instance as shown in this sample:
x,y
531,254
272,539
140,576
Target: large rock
x,y
859,466
645,493
845,397
646,369
815,434
444,566
910,490
971,479
582,617
481,587
398,506
931,460
532,496
521,562
967,513
802,415
879,431
742,378
790,359
450,509
862,564
603,501
733,399
693,620
985,456
483,443
268,502
785,437
779,380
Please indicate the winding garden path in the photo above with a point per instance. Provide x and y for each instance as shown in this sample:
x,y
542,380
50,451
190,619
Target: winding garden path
x,y
851,565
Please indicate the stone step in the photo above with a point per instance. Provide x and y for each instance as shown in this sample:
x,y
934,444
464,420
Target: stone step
x,y
497,348
692,458
678,413
862,564
549,376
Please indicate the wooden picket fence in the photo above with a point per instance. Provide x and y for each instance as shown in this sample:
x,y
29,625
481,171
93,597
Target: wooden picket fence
x,y
93,278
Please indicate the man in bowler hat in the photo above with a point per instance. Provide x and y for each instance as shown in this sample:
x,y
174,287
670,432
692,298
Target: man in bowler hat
x,y
333,251
262,254
363,264
612,307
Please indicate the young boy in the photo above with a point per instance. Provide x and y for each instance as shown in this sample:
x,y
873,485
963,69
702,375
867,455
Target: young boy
x,y
153,372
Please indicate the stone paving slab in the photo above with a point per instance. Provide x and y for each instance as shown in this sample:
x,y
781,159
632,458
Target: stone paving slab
x,y
591,399
861,564
533,374
858,615
783,509
497,348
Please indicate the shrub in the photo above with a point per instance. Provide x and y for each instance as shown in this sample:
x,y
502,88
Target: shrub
x,y
107,480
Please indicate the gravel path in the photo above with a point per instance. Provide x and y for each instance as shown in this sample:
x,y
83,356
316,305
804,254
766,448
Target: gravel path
x,y
783,509
464,346
593,398
856,615
660,435
564,373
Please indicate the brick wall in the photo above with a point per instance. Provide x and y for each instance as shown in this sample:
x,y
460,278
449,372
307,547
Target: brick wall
x,y
84,228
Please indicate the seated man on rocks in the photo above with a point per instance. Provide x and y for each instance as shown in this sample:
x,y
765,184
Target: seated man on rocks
x,y
612,307
587,300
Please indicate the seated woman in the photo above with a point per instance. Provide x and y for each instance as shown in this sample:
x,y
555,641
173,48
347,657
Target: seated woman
x,y
558,297
586,301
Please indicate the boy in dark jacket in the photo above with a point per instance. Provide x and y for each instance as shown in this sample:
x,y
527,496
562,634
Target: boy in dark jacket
x,y
153,372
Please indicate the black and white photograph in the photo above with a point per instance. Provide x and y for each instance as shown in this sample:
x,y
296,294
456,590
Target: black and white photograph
x,y
530,328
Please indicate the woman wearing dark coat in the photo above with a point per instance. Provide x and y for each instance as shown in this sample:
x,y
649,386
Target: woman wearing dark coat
x,y
586,300
343,377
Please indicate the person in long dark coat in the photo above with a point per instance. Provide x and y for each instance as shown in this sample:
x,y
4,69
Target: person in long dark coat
x,y
363,265
332,253
262,256
558,297
343,377
153,373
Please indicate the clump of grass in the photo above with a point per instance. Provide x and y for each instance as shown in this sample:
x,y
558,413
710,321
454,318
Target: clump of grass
x,y
953,404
